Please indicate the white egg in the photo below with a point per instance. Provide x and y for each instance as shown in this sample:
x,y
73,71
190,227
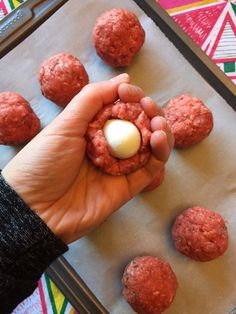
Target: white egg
x,y
123,138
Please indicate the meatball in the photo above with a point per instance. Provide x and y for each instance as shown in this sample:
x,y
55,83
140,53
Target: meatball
x,y
149,285
117,37
200,234
61,77
189,119
97,145
18,123
157,181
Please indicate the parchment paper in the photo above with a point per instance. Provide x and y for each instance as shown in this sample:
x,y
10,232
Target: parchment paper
x,y
202,175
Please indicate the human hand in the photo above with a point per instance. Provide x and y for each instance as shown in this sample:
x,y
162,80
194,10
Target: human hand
x,y
54,177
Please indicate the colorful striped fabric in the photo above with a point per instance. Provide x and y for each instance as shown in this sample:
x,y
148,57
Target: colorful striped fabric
x,y
212,25
46,299
6,6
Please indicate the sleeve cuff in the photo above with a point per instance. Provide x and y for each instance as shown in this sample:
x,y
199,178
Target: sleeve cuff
x,y
27,245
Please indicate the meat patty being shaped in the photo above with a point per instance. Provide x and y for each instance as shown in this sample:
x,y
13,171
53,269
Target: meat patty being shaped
x,y
98,148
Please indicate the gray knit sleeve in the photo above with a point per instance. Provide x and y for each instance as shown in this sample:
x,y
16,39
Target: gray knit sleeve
x,y
27,248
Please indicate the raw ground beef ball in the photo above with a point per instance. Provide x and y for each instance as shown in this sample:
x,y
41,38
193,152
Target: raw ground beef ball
x,y
117,37
149,285
61,77
18,123
97,146
156,182
200,234
189,119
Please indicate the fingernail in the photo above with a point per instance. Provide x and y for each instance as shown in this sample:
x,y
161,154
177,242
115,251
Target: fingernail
x,y
148,99
162,132
134,89
121,77
162,119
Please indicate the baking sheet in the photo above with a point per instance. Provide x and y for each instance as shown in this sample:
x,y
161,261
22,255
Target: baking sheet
x,y
203,175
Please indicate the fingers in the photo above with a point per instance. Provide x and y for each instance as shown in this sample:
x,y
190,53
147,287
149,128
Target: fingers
x,y
93,96
84,106
130,93
160,146
162,140
160,123
151,108
107,91
121,78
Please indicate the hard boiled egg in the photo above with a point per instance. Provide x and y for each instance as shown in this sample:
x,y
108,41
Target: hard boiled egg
x,y
123,138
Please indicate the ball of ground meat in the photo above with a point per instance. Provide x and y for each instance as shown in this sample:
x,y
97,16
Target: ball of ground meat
x,y
117,37
189,119
97,145
61,77
18,123
157,181
200,234
149,285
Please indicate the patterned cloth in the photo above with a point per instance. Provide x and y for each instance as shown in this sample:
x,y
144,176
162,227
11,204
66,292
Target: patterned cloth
x,y
46,299
212,25
6,6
